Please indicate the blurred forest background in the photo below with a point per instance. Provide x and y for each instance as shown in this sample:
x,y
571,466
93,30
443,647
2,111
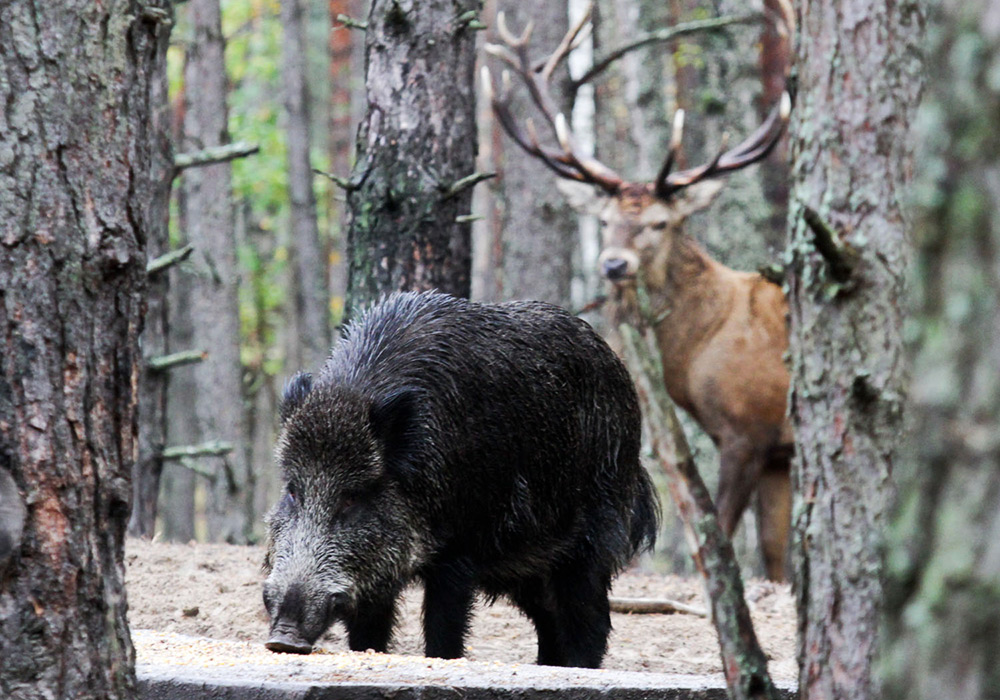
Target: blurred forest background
x,y
260,291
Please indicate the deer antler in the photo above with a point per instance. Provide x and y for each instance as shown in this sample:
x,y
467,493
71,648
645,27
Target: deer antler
x,y
754,148
569,162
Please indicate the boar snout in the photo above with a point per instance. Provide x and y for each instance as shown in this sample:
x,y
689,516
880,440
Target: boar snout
x,y
287,640
300,618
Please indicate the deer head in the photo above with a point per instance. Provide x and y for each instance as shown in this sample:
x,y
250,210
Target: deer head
x,y
639,220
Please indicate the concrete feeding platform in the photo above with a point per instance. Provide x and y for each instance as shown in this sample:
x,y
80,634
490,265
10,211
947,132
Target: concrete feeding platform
x,y
175,667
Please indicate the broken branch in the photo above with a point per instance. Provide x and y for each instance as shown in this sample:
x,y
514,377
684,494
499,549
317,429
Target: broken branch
x,y
465,183
213,155
214,448
653,606
352,23
341,182
162,363
839,255
166,260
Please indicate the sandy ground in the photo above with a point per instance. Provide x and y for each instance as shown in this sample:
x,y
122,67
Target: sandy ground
x,y
214,591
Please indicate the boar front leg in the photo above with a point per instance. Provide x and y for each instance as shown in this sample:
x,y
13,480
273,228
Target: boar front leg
x,y
371,625
448,596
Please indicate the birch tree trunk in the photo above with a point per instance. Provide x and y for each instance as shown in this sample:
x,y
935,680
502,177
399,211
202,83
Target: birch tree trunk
x,y
74,186
860,78
417,141
216,401
943,563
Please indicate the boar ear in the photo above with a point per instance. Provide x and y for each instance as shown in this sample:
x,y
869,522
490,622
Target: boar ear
x,y
296,390
395,421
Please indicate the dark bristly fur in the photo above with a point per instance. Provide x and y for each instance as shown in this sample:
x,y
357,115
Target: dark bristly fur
x,y
475,447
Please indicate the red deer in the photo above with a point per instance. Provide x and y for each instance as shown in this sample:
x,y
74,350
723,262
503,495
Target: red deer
x,y
721,333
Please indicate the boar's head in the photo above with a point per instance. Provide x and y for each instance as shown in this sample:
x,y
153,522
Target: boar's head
x,y
343,538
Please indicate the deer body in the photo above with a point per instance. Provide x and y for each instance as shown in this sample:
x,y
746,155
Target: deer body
x,y
722,335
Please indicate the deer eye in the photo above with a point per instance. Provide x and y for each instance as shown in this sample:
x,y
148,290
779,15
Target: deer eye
x,y
658,225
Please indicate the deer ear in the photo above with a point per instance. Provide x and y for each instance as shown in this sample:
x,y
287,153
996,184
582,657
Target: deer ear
x,y
696,197
584,198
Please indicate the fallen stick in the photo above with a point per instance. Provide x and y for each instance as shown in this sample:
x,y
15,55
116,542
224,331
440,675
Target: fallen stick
x,y
653,606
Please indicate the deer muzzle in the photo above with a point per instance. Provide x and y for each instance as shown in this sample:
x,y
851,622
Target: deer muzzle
x,y
618,264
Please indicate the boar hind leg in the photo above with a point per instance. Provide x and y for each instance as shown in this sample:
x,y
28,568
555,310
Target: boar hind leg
x,y
571,615
537,601
371,625
584,614
448,597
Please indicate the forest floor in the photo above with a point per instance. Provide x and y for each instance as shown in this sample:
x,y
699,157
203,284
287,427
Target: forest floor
x,y
214,591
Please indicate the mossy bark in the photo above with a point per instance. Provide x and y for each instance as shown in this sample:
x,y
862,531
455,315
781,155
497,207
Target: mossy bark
x,y
418,138
943,551
860,79
74,186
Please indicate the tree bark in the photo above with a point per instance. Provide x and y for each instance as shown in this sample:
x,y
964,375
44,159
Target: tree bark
x,y
216,399
417,140
153,384
310,326
943,561
75,79
537,228
860,80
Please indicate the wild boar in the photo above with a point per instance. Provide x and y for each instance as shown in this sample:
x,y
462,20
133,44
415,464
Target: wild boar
x,y
476,448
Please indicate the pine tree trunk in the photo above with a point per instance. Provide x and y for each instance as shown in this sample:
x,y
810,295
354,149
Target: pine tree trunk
x,y
153,384
217,401
418,139
537,228
74,186
860,80
309,321
943,597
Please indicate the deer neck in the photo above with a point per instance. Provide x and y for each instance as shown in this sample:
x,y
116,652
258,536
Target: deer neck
x,y
691,295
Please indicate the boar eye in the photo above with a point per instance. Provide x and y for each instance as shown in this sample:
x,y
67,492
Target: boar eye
x,y
348,504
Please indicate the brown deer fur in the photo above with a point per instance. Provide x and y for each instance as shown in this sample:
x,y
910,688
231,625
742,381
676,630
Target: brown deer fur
x,y
721,333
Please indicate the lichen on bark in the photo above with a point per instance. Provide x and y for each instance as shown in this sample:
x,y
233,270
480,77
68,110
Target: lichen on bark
x,y
417,139
860,79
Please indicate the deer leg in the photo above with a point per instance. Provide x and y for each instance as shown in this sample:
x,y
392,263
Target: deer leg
x,y
740,466
774,515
